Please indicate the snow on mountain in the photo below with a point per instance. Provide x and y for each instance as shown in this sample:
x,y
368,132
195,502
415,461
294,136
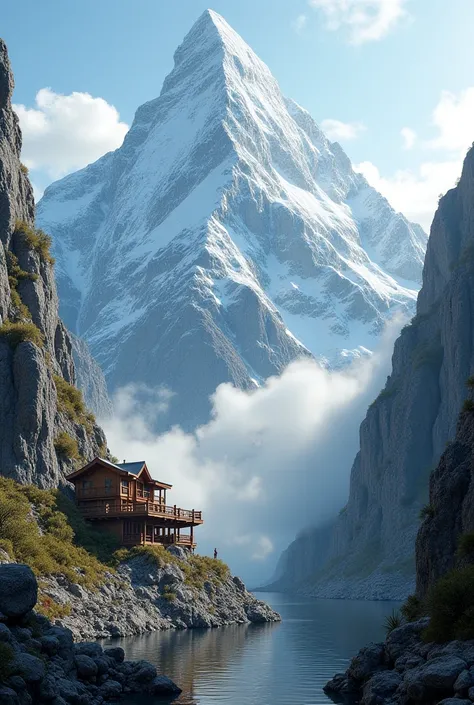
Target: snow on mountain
x,y
226,237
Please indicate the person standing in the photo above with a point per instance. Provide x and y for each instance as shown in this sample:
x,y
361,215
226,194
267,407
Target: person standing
x,y
215,553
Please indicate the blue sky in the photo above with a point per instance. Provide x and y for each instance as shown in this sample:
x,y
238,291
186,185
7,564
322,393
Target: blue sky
x,y
378,66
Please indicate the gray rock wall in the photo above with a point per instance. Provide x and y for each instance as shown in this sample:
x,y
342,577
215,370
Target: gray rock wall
x,y
407,427
29,417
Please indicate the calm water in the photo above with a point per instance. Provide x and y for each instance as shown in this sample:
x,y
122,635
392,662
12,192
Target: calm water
x,y
274,664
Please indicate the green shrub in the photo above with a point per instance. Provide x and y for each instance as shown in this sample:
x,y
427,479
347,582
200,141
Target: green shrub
x,y
52,609
413,609
48,544
23,169
168,594
470,382
36,240
450,606
468,405
466,545
66,446
393,621
22,311
6,660
427,512
25,332
71,403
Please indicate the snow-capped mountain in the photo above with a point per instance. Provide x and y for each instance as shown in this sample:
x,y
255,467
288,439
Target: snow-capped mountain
x,y
226,237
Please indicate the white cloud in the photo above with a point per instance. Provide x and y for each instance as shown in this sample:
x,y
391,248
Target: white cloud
x,y
409,137
415,193
454,119
268,463
336,130
366,20
63,133
300,23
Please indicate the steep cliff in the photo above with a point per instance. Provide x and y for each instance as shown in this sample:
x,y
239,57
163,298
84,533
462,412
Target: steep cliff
x,y
450,512
44,427
407,427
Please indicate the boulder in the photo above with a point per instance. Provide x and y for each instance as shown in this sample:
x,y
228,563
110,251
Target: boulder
x,y
89,648
405,638
48,688
162,684
18,590
454,701
110,689
368,661
86,667
145,673
29,667
380,687
464,681
8,696
116,653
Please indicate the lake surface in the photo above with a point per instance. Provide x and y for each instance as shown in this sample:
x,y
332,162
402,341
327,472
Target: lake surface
x,y
273,664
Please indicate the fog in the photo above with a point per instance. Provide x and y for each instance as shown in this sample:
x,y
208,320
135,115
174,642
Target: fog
x,y
269,462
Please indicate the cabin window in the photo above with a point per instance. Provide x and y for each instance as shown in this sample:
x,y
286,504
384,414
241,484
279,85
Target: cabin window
x,y
140,489
86,485
124,486
108,485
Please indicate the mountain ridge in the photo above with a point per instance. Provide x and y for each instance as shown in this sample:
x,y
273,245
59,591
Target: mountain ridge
x,y
221,233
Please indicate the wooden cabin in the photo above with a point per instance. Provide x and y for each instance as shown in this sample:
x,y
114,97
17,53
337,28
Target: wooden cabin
x,y
124,499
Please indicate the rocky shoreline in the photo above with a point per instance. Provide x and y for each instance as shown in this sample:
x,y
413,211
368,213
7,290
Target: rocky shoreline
x,y
39,662
142,597
405,670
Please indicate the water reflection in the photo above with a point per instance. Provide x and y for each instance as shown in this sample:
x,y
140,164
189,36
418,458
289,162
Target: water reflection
x,y
269,664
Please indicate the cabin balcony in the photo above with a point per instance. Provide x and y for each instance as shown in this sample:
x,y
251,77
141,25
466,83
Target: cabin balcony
x,y
110,509
182,540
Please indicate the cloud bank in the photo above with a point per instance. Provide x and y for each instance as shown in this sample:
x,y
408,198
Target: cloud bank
x,y
63,133
268,463
364,20
415,192
336,130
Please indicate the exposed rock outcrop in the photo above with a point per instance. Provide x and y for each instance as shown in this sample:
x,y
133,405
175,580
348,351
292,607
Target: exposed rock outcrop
x,y
407,427
450,513
142,597
39,348
404,669
39,662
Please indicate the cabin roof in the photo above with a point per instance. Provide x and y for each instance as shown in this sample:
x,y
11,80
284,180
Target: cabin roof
x,y
133,469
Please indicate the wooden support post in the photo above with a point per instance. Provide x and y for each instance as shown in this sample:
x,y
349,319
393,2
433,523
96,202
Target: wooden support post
x,y
192,533
144,533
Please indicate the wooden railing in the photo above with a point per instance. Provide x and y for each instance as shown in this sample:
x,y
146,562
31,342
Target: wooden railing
x,y
121,508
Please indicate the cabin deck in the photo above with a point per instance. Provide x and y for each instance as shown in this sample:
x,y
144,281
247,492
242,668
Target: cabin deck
x,y
110,509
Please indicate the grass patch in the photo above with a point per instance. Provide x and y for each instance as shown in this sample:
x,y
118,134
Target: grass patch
x,y
23,169
66,446
71,403
52,609
413,609
393,621
197,569
35,239
25,332
466,545
44,539
427,512
450,605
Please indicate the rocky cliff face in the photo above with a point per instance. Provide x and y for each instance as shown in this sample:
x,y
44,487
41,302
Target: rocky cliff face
x,y
450,512
226,237
407,427
35,349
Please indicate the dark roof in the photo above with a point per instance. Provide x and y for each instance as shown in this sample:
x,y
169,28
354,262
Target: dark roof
x,y
133,468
